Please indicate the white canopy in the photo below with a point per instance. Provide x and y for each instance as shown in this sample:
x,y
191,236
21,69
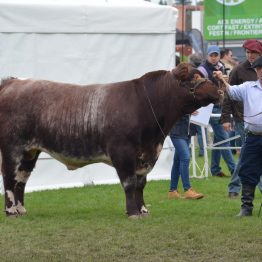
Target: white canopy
x,y
83,42
82,16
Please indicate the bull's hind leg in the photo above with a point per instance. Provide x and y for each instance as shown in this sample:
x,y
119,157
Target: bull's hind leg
x,y
16,168
24,170
141,183
9,164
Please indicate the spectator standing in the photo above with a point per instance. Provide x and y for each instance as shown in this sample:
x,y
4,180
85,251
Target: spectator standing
x,y
226,57
207,68
240,74
177,60
250,93
195,59
181,135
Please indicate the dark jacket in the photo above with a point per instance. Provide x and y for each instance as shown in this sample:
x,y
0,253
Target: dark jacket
x,y
240,74
183,128
208,72
211,68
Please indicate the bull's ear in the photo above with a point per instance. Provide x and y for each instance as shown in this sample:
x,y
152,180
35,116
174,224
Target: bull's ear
x,y
195,74
181,72
197,77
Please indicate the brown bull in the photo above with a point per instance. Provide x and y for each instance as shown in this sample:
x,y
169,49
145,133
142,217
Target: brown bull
x,y
123,123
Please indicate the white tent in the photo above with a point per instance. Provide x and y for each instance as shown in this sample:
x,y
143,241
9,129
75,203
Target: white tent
x,y
81,41
85,42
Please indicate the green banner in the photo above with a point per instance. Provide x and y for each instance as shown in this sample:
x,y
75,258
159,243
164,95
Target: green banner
x,y
232,19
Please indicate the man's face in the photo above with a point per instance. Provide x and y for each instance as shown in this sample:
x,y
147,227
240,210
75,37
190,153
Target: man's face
x,y
229,57
251,56
259,73
213,58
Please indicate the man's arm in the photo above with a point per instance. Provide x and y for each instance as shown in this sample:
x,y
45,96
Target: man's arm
x,y
226,113
227,103
225,86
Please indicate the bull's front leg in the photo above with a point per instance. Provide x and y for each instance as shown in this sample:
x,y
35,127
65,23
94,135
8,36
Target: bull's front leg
x,y
141,183
123,159
129,184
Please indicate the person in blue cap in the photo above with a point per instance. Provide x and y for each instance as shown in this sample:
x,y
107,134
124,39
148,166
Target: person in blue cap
x,y
250,93
210,65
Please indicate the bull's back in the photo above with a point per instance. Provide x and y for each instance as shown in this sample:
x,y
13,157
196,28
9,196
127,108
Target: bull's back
x,y
55,115
67,119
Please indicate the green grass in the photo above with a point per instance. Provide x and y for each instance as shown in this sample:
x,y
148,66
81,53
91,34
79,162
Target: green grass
x,y
89,224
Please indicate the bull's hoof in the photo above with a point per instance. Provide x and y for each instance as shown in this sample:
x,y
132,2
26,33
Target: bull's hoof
x,y
11,212
11,215
144,215
144,211
22,214
134,217
21,210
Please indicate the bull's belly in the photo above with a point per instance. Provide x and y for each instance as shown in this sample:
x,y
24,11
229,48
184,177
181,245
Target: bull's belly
x,y
143,167
73,163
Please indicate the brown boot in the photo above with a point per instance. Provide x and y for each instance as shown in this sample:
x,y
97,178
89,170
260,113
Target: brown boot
x,y
192,194
173,194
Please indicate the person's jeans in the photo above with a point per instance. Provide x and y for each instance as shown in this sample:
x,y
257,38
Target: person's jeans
x,y
180,163
200,139
251,161
219,135
234,184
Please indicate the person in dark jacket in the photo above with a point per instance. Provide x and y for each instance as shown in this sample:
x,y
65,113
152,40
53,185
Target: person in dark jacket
x,y
181,135
240,74
207,68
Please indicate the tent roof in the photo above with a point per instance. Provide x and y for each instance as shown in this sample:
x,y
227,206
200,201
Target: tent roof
x,y
85,16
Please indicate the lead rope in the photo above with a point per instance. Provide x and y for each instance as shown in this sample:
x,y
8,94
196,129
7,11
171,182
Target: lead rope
x,y
192,92
152,109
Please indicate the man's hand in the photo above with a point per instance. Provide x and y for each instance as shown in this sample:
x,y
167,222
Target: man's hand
x,y
219,76
223,78
195,113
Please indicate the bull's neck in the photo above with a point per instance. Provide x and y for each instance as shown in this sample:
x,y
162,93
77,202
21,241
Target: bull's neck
x,y
176,102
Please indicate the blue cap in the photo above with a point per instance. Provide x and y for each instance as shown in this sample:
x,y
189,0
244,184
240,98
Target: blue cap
x,y
213,49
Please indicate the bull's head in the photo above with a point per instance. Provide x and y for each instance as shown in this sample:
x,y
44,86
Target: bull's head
x,y
204,91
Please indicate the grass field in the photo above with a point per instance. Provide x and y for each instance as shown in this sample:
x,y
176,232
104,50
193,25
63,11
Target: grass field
x,y
89,224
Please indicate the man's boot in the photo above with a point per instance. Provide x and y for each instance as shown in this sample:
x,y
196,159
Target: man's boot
x,y
248,193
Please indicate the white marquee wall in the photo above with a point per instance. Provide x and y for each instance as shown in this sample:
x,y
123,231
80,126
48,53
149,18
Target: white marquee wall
x,y
83,42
